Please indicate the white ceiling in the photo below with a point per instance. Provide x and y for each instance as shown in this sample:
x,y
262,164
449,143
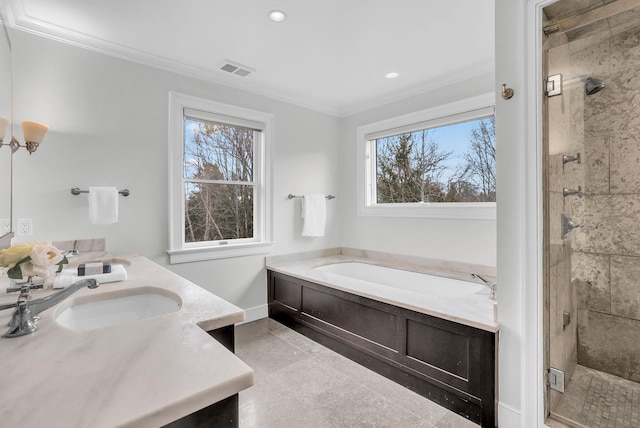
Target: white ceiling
x,y
329,55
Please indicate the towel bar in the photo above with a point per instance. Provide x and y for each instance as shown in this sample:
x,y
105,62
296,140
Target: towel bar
x,y
291,196
77,191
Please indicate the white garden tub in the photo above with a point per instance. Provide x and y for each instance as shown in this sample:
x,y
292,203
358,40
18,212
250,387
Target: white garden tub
x,y
430,285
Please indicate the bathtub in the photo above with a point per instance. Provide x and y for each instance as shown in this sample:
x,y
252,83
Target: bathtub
x,y
427,284
432,333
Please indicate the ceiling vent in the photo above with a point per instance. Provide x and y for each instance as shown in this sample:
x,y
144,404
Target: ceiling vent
x,y
235,68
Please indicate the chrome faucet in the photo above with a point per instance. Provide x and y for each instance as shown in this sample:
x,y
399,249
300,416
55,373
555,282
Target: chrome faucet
x,y
25,317
491,284
492,296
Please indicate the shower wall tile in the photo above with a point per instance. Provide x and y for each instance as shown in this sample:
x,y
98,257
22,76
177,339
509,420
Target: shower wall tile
x,y
625,299
559,107
617,108
625,50
576,92
593,60
588,35
591,272
625,163
625,21
596,165
610,225
609,343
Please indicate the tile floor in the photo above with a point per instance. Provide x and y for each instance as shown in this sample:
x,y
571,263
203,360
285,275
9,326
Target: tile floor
x,y
600,400
300,383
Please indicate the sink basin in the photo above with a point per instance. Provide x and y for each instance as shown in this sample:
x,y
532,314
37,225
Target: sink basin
x,y
91,312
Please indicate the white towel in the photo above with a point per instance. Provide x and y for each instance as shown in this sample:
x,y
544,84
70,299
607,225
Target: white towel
x,y
70,275
314,215
103,205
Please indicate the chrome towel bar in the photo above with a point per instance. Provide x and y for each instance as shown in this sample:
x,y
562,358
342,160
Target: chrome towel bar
x,y
77,191
291,196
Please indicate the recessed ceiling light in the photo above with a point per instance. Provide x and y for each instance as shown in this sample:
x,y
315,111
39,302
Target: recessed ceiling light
x,y
277,15
391,75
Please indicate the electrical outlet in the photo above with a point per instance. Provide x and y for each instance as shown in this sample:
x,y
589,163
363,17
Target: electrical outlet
x,y
24,227
5,226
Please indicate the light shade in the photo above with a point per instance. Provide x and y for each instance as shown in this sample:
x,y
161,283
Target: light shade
x,y
277,15
4,123
34,131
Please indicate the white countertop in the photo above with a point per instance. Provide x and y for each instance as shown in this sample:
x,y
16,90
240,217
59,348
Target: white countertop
x,y
475,310
141,374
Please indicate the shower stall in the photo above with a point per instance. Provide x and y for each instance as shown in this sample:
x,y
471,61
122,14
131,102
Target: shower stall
x,y
591,190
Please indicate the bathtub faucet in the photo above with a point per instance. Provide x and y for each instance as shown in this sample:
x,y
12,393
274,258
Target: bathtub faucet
x,y
491,284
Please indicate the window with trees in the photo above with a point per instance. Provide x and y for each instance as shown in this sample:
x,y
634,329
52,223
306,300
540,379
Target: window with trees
x,y
435,163
219,187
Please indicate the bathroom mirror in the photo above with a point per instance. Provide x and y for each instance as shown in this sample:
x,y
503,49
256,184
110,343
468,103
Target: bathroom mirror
x,y
5,112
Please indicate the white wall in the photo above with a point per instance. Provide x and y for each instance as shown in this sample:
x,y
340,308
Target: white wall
x,y
469,241
108,123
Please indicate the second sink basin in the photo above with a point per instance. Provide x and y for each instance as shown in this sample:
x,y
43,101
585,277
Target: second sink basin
x,y
88,312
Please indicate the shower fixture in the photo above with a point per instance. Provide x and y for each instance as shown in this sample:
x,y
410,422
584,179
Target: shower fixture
x,y
568,192
567,159
593,85
567,225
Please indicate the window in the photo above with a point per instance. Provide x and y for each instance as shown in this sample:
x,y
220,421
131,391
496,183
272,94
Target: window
x,y
219,187
437,163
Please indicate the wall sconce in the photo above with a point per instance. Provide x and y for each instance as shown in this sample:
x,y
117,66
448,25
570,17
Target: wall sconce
x,y
33,135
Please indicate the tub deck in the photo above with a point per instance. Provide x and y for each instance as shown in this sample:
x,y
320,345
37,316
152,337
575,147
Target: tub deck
x,y
474,310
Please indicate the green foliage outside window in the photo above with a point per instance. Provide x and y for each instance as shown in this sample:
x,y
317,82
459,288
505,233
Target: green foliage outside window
x,y
218,174
417,167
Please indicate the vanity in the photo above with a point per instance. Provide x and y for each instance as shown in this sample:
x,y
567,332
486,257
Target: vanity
x,y
175,369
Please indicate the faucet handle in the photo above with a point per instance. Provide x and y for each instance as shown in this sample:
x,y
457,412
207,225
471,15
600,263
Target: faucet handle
x,y
24,288
491,284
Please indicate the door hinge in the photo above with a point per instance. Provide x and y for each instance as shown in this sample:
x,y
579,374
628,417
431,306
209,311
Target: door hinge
x,y
553,85
555,379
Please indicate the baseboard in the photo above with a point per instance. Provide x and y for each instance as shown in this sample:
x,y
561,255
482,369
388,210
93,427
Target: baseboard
x,y
508,417
255,314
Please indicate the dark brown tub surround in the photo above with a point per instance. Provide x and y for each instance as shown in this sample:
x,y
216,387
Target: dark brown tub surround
x,y
449,357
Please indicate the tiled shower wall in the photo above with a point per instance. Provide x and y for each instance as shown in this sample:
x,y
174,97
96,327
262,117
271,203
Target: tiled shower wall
x,y
606,252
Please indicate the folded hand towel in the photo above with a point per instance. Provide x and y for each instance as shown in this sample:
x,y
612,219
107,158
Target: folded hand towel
x,y
69,276
314,215
103,205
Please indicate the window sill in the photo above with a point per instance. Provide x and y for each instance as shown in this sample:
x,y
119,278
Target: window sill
x,y
218,252
440,210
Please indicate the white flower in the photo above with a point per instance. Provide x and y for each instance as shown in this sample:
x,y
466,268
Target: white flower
x,y
44,260
32,259
45,254
29,269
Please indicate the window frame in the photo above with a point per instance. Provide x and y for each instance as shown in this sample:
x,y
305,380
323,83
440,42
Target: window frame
x,y
447,114
182,252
